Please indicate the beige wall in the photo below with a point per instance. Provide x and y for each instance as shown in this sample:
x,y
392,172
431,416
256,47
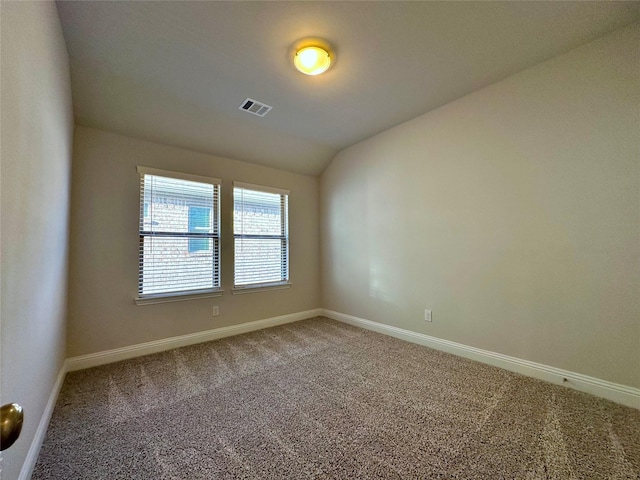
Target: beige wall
x,y
37,131
104,245
513,213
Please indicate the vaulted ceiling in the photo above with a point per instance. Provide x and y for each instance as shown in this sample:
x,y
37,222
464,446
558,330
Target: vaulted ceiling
x,y
176,72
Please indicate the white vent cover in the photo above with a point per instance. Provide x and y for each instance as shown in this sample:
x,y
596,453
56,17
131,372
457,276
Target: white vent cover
x,y
253,106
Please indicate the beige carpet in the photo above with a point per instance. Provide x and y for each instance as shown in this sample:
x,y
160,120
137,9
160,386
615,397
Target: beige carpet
x,y
319,399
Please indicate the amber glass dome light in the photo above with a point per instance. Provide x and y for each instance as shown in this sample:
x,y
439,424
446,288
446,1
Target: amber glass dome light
x,y
312,60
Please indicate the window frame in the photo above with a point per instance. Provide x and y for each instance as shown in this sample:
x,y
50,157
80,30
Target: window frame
x,y
214,237
285,281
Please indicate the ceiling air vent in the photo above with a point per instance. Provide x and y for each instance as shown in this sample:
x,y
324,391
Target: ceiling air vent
x,y
252,106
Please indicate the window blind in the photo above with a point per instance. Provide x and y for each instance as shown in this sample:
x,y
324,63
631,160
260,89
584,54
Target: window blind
x,y
179,233
261,235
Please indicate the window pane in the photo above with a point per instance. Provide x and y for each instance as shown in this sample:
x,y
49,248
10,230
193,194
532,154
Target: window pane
x,y
256,213
167,266
258,260
168,200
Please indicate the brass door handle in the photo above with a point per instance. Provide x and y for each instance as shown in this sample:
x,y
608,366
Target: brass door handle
x,y
11,416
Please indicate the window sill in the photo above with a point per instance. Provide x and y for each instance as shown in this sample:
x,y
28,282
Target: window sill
x,y
180,297
259,288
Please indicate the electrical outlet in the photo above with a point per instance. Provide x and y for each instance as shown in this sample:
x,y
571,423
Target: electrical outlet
x,y
216,311
427,315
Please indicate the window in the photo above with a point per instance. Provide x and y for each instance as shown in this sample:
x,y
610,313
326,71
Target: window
x,y
261,236
199,221
179,234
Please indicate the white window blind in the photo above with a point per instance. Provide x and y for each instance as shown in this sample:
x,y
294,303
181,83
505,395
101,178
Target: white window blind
x,y
179,233
261,235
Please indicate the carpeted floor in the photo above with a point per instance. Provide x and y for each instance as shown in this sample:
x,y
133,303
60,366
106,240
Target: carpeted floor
x,y
320,399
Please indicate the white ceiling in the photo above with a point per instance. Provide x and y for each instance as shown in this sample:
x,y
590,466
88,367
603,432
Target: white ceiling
x,y
176,72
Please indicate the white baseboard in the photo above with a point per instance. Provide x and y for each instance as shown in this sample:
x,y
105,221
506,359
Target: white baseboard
x,y
615,392
109,356
41,431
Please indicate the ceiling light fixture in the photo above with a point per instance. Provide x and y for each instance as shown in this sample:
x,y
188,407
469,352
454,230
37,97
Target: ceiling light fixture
x,y
312,59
